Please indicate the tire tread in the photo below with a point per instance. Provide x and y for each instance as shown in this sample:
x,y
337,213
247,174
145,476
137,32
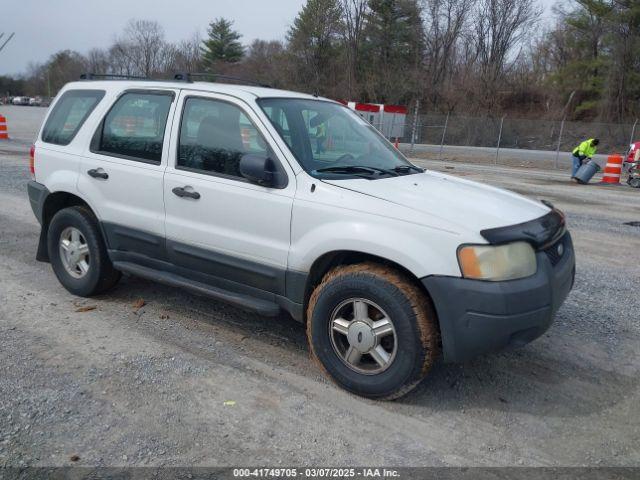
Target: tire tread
x,y
419,303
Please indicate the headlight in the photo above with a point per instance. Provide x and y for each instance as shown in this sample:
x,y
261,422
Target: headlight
x,y
497,262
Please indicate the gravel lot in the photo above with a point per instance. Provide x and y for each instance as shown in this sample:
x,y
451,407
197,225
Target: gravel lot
x,y
513,157
183,380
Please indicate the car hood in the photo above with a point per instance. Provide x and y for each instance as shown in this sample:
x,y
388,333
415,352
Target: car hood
x,y
452,201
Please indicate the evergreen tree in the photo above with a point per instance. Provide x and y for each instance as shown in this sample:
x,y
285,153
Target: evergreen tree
x,y
394,45
314,42
222,45
589,36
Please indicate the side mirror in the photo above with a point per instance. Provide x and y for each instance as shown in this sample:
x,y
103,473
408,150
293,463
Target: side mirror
x,y
258,169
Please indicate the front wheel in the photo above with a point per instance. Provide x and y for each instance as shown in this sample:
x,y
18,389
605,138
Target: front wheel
x,y
372,330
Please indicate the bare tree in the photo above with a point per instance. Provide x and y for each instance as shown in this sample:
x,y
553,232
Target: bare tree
x,y
62,67
354,14
142,47
500,26
98,61
268,62
445,24
185,56
121,60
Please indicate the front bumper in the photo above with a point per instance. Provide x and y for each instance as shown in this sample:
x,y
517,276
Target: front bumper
x,y
480,316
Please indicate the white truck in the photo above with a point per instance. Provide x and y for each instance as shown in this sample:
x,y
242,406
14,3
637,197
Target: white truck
x,y
224,190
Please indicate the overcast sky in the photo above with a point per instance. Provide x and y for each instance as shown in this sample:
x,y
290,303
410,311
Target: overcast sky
x,y
43,27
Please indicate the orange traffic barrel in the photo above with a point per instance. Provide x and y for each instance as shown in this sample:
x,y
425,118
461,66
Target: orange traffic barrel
x,y
246,138
613,169
4,134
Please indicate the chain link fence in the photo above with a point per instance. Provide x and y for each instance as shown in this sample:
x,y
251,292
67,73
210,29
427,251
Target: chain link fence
x,y
507,140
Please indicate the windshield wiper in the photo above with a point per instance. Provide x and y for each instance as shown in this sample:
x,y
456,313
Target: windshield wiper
x,y
348,169
407,168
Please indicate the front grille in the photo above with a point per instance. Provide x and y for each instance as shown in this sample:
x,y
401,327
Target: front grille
x,y
552,251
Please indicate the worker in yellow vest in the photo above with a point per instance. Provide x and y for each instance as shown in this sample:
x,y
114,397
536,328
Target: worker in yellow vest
x,y
585,150
321,138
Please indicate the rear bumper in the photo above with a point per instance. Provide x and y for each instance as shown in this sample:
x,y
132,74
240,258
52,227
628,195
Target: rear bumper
x,y
478,316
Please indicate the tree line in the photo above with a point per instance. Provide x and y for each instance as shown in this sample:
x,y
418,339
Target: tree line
x,y
453,56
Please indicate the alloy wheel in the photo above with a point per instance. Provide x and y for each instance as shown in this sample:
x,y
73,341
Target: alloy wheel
x,y
363,336
74,252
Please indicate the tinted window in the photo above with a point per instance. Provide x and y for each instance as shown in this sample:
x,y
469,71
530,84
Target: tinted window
x,y
214,135
134,127
68,115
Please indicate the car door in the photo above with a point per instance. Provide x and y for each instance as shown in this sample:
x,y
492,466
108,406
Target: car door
x,y
225,227
122,171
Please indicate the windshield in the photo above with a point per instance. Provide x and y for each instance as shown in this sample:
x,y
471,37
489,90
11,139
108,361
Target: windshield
x,y
329,140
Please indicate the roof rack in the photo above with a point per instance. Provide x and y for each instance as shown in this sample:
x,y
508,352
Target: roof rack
x,y
189,77
110,76
178,77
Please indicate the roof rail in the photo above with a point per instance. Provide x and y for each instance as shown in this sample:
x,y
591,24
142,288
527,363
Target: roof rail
x,y
110,76
189,77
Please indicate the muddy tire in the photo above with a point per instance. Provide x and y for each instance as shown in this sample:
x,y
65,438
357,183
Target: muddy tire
x,y
78,253
372,330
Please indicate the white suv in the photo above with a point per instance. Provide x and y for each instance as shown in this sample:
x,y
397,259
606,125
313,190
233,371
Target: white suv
x,y
278,201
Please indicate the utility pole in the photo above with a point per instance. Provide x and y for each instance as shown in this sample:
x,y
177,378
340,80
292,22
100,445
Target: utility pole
x,y
444,133
566,107
633,131
414,126
499,140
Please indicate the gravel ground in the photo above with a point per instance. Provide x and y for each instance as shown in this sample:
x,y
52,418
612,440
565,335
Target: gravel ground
x,y
23,122
151,375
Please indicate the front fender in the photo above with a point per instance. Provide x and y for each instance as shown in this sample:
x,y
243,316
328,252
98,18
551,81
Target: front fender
x,y
421,250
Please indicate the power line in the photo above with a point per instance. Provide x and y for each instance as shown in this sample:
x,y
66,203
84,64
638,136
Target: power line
x,y
6,41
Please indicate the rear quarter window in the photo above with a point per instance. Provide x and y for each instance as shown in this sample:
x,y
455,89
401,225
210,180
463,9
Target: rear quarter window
x,y
69,114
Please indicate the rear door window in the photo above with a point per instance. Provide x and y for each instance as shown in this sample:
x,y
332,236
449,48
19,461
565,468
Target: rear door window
x,y
134,127
68,115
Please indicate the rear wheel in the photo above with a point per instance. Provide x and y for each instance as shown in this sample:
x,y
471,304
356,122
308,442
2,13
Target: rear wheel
x,y
78,254
372,330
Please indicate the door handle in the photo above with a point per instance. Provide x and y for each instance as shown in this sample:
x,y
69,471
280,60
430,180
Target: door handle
x,y
98,173
186,192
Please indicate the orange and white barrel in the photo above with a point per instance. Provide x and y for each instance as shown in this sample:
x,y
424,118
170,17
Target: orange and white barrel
x,y
613,169
4,133
130,124
246,138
